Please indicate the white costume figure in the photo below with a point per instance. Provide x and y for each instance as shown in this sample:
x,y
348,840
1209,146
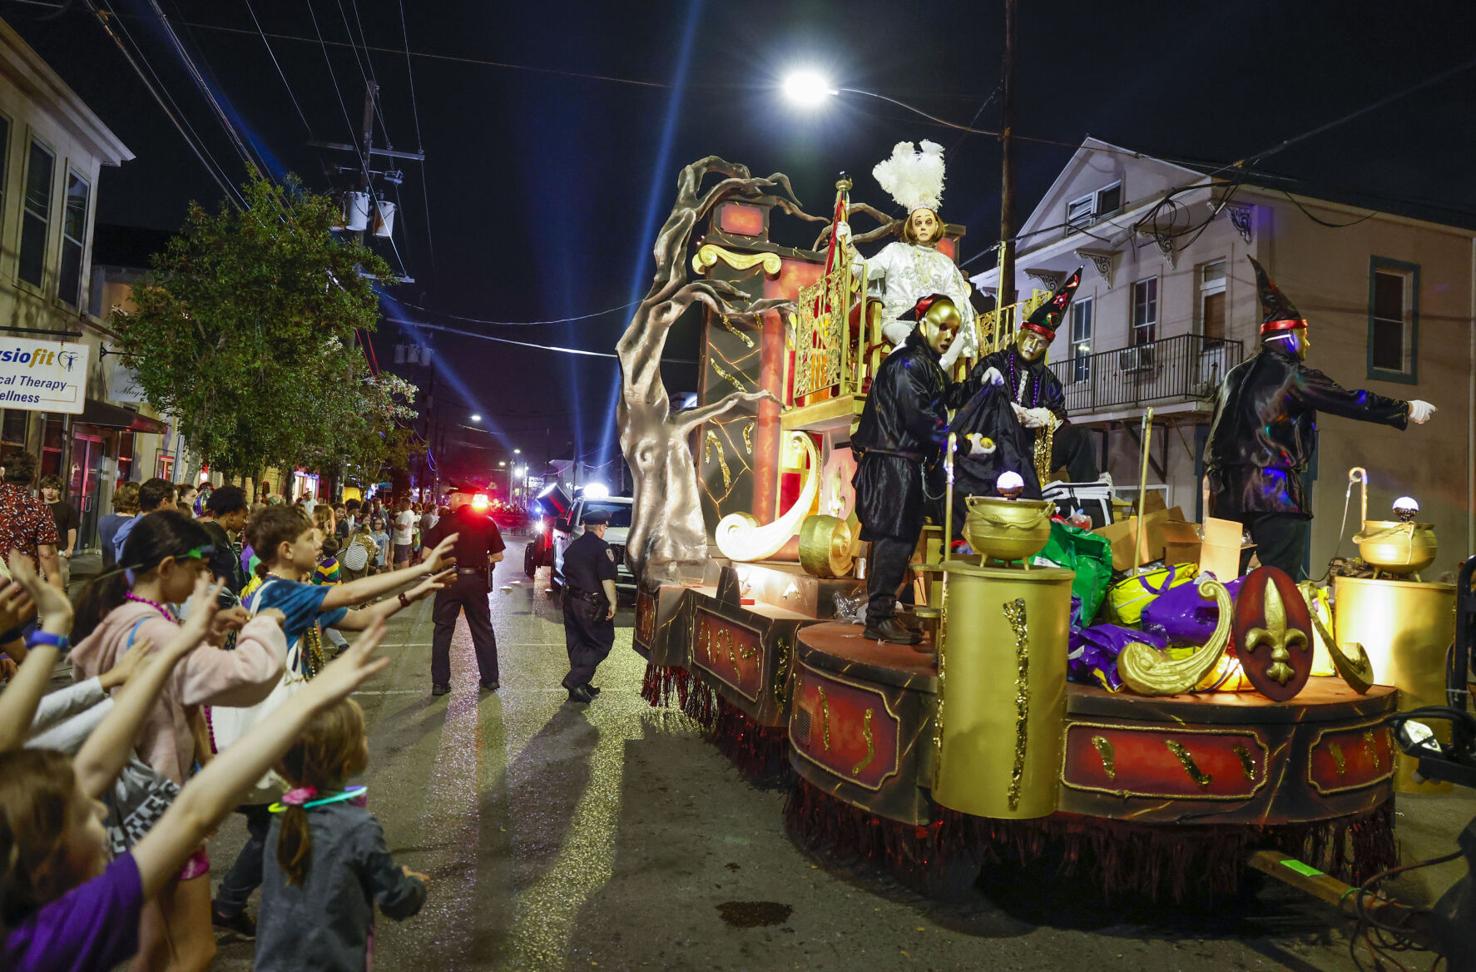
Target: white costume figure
x,y
912,267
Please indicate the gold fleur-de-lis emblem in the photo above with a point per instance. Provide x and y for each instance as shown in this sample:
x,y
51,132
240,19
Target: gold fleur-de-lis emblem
x,y
1276,637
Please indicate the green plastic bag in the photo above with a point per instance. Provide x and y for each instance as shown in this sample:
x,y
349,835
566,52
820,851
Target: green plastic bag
x,y
1087,554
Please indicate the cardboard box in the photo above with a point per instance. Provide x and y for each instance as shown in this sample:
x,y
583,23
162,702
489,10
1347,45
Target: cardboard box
x,y
1214,545
1122,533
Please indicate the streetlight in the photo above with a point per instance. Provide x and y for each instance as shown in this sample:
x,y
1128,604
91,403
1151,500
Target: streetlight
x,y
517,452
807,89
476,417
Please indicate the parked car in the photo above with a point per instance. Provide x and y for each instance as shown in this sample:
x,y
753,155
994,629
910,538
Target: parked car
x,y
543,513
619,509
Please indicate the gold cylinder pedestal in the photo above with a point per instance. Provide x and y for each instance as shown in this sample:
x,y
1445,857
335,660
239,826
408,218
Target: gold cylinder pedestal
x,y
1406,628
1002,690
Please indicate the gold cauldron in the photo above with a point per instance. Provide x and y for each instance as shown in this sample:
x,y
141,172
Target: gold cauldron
x,y
1001,529
1392,546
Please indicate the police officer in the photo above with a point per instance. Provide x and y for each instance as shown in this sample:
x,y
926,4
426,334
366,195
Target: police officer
x,y
589,605
478,546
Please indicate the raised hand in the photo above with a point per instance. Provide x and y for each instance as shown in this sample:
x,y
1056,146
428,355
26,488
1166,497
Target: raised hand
x,y
51,603
200,612
440,558
350,669
431,584
16,606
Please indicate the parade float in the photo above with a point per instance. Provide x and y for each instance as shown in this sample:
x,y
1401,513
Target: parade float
x,y
1137,758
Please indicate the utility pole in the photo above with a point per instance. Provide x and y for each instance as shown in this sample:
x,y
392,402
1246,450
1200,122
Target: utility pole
x,y
366,183
1006,294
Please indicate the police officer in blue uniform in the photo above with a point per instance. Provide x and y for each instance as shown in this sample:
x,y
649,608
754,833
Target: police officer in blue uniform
x,y
478,549
589,606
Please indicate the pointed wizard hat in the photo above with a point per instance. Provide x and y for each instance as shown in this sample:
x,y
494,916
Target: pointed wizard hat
x,y
1047,317
1277,312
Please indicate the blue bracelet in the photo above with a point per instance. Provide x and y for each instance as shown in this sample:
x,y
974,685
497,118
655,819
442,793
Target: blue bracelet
x,y
61,643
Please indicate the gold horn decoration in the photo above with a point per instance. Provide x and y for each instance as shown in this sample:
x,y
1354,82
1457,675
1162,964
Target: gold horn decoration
x,y
1352,665
1148,671
825,546
741,538
708,255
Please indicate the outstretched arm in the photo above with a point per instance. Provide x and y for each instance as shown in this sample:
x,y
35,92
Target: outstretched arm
x,y
1318,391
207,798
368,588
20,698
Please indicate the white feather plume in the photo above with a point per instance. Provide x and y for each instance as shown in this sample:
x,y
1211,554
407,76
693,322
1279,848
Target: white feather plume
x,y
914,179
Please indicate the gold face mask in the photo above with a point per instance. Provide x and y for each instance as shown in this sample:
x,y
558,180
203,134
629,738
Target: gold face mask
x,y
1030,346
939,326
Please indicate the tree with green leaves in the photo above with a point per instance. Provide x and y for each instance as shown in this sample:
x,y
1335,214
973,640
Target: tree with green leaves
x,y
245,332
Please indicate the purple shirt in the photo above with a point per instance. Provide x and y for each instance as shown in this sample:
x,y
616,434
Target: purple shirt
x,y
92,926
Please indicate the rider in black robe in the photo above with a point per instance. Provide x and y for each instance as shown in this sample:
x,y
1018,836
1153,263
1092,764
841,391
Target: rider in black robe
x,y
902,429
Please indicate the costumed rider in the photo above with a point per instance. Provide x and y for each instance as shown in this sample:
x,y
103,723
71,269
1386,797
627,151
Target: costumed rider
x,y
1012,414
898,479
911,268
1264,432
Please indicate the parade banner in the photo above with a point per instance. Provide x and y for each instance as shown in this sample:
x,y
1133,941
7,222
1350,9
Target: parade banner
x,y
43,376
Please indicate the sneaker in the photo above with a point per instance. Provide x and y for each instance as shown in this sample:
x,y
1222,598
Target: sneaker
x,y
239,924
440,690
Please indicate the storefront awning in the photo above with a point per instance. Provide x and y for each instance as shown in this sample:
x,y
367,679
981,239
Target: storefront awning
x,y
111,416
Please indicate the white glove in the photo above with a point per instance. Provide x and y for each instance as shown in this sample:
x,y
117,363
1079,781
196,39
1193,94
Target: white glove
x,y
1420,412
979,444
992,376
1032,418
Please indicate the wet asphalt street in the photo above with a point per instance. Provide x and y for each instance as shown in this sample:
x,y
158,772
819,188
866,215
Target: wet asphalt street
x,y
614,837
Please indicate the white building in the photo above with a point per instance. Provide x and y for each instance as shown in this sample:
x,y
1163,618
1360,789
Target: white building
x,y
52,150
1168,305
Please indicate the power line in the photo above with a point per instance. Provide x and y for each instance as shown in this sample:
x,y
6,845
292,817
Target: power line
x,y
280,73
482,320
582,352
369,76
175,116
430,240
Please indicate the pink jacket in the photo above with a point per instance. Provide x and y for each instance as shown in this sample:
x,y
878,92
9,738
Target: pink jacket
x,y
206,676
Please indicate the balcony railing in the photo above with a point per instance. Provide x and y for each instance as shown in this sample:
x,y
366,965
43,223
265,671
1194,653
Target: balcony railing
x,y
1184,368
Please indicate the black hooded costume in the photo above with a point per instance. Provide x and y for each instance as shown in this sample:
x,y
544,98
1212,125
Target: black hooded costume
x,y
985,408
899,438
1264,433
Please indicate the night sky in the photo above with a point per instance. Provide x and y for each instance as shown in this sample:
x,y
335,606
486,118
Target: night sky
x,y
544,189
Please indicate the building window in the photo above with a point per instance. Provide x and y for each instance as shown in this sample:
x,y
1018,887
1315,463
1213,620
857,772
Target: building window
x,y
1145,311
1086,210
4,162
1393,319
74,231
13,430
1212,301
36,218
1081,339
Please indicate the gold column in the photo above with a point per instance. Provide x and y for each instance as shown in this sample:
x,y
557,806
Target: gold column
x,y
1406,628
1003,705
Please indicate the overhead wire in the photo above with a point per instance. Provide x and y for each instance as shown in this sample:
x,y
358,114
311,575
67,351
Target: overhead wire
x,y
368,75
280,73
166,102
430,240
557,320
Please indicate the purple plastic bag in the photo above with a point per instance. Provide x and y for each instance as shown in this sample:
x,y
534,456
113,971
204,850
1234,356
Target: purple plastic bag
x,y
1181,617
1093,653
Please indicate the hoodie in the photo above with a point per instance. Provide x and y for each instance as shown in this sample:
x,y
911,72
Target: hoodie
x,y
206,676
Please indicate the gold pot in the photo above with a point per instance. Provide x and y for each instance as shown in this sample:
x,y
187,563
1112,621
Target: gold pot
x,y
1397,548
1002,529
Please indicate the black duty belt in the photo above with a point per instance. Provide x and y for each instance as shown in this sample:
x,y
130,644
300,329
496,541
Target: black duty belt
x,y
596,599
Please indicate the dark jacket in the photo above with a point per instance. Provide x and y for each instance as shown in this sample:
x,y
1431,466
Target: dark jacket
x,y
1264,432
985,408
902,429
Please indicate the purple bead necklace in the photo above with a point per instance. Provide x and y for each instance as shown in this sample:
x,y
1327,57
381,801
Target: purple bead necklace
x,y
168,614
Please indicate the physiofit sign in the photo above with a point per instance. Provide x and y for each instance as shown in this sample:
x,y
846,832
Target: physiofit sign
x,y
43,376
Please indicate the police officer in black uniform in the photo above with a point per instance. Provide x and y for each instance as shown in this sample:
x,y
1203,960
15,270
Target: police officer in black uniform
x,y
589,605
478,546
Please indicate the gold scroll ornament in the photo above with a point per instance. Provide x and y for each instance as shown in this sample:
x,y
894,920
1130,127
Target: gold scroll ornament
x,y
1148,671
740,536
708,255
